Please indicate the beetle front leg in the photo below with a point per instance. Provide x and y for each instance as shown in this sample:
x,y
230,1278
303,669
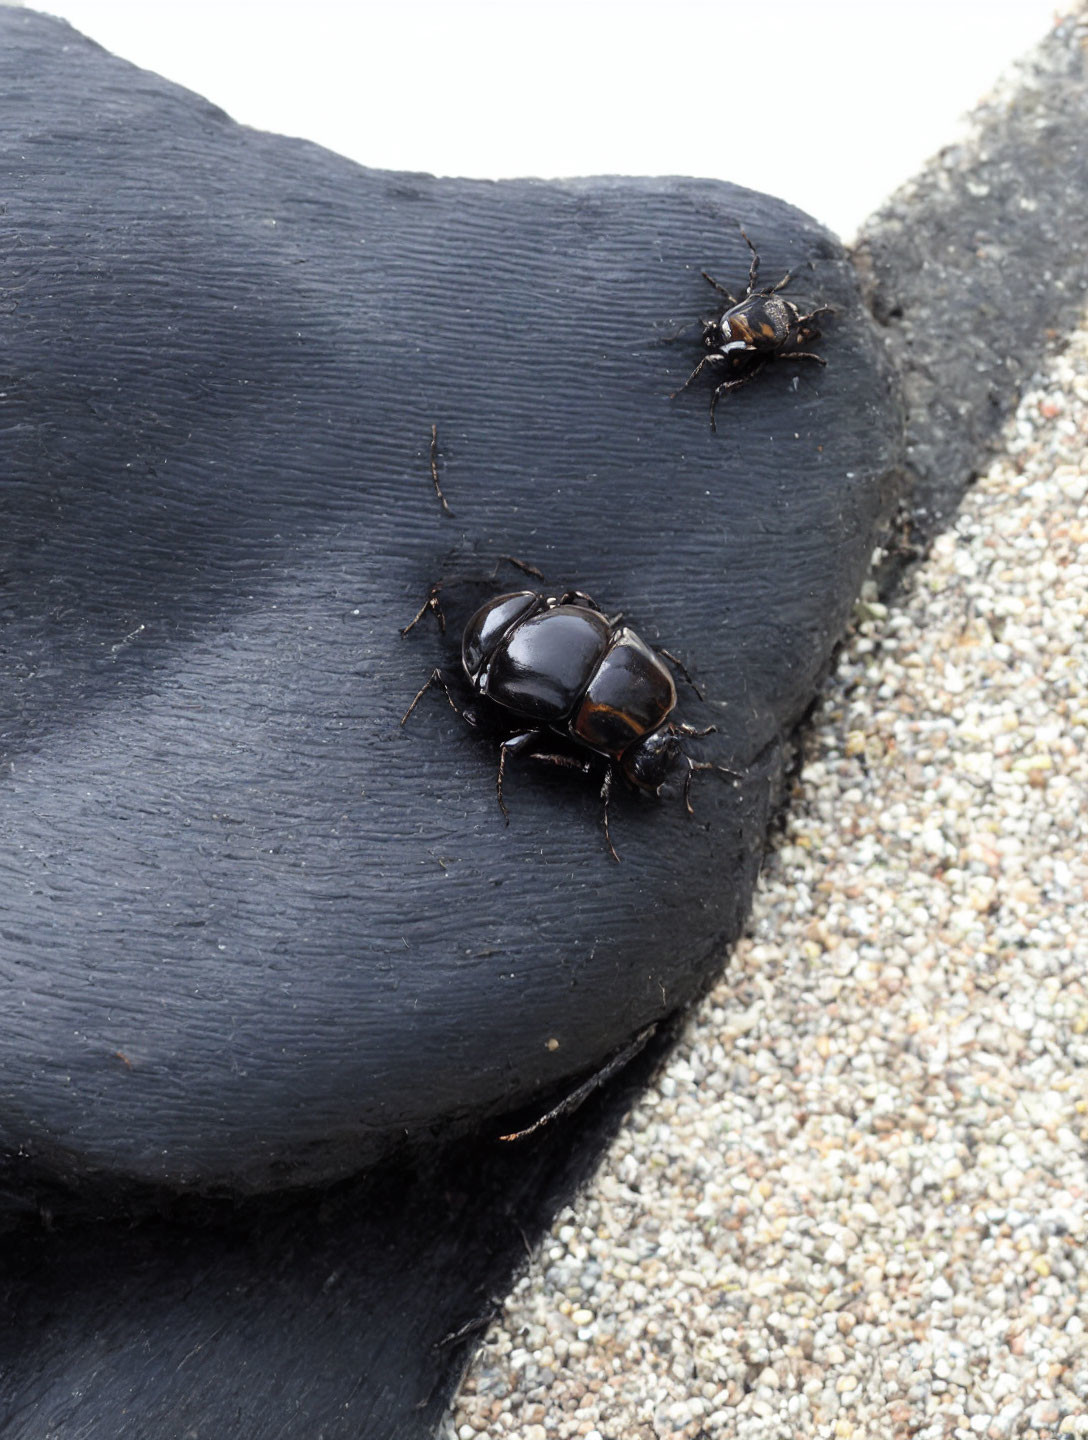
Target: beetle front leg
x,y
714,359
774,289
518,564
753,269
694,765
728,294
680,727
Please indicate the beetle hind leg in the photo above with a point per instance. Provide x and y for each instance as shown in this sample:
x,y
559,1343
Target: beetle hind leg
x,y
727,385
606,795
520,745
434,471
521,565
803,320
437,678
431,603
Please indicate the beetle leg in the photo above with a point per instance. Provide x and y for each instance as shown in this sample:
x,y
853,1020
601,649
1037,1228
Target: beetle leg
x,y
437,678
773,289
606,791
680,728
519,564
512,745
716,358
572,1101
579,597
671,658
434,470
813,314
753,270
801,355
728,385
517,744
694,765
431,603
728,294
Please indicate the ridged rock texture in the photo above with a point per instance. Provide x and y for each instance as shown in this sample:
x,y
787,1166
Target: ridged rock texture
x,y
255,935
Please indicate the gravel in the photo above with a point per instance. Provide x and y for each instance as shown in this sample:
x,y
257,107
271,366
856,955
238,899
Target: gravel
x,y
856,1201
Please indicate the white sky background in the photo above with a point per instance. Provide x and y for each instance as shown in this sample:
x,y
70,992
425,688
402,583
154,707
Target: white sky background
x,y
828,103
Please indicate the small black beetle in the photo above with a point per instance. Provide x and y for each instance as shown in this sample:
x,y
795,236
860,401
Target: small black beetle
x,y
754,329
560,667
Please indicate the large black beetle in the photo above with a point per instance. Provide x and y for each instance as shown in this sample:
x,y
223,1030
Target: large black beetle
x,y
559,667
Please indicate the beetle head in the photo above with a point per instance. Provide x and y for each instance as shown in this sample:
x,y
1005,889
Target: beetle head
x,y
647,763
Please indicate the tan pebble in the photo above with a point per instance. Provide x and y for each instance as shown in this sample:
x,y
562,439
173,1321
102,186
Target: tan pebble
x,y
855,743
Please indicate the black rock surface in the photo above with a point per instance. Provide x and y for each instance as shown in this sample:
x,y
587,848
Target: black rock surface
x,y
979,264
254,931
340,1315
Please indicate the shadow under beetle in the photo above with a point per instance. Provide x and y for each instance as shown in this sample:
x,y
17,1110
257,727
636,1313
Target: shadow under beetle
x,y
559,670
754,329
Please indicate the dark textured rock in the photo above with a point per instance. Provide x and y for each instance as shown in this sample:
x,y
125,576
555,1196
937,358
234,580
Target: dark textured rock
x,y
345,1314
254,931
253,934
981,262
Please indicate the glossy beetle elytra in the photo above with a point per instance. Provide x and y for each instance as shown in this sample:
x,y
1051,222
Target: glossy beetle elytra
x,y
559,670
754,329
